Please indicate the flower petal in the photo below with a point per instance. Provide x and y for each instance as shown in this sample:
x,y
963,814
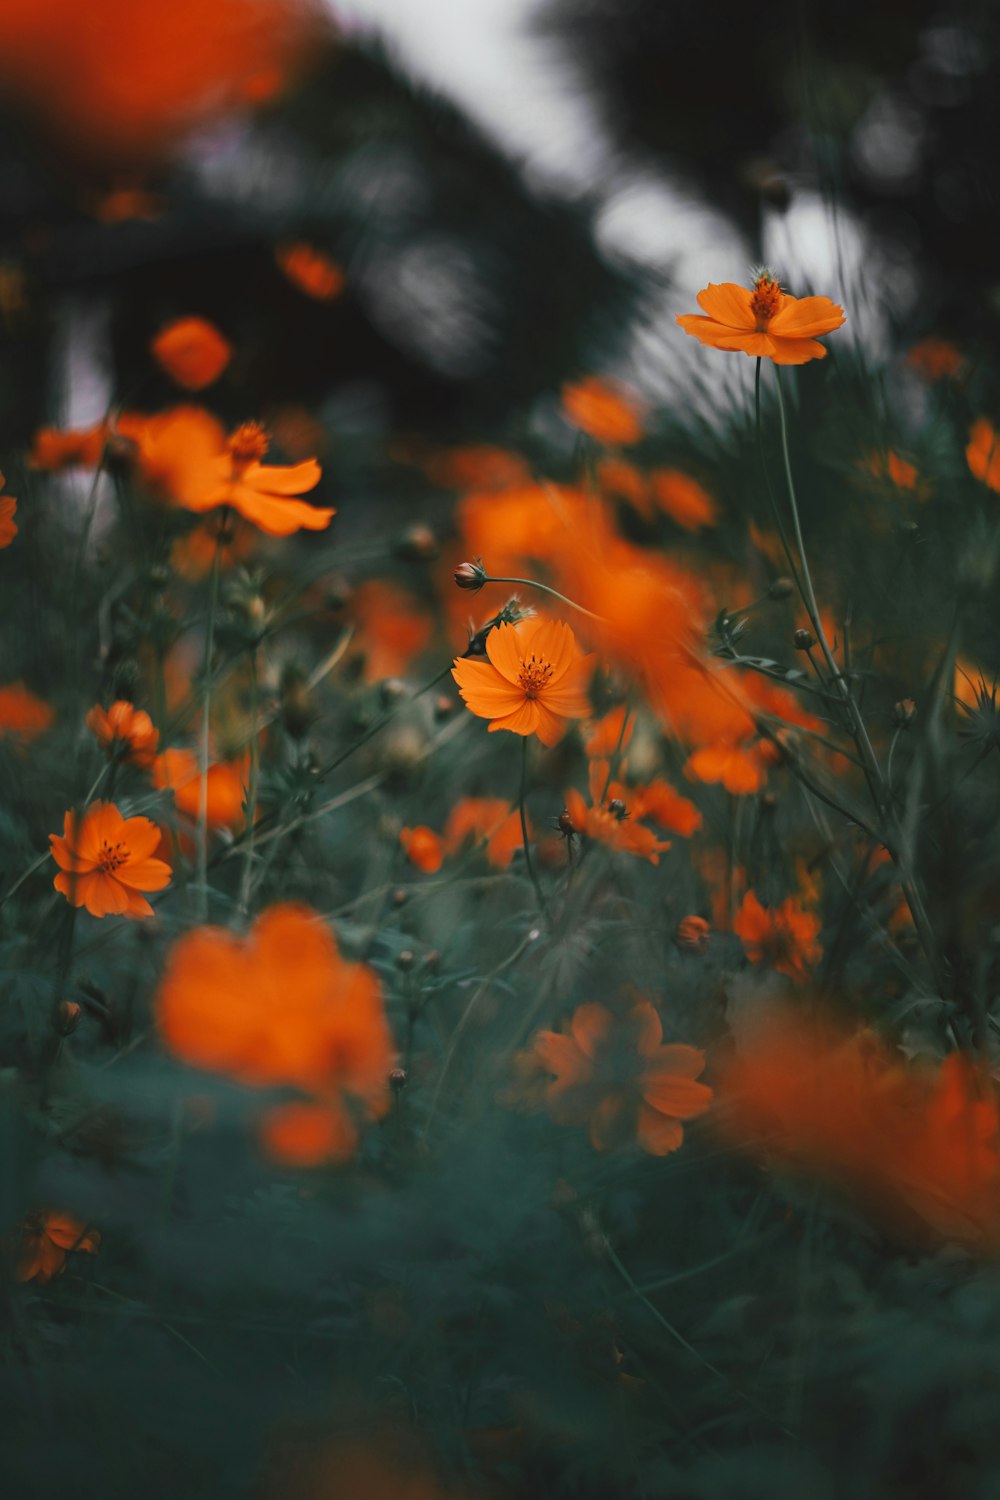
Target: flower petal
x,y
278,516
279,479
796,351
805,317
505,649
728,303
658,1134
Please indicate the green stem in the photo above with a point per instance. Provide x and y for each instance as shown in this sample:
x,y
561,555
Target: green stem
x,y
248,856
529,864
531,583
206,707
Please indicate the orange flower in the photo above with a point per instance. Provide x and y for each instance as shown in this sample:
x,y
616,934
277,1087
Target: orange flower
x,y
983,453
660,802
83,448
783,937
192,352
311,270
692,934
46,1240
282,1007
683,499
179,771
604,409
918,1146
740,768
392,628
609,821
935,359
613,1071
623,480
489,818
533,681
609,734
423,848
105,862
889,466
124,730
23,717
763,321
8,526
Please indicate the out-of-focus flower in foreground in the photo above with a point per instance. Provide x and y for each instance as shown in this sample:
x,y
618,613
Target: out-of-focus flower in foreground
x,y
105,861
762,320
611,1070
47,1239
282,1007
124,730
533,681
192,352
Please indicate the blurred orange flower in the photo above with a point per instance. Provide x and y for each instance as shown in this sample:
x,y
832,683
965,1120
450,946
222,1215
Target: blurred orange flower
x,y
612,1070
179,771
609,820
683,499
54,449
125,730
609,734
489,818
983,453
192,352
782,937
533,681
660,802
105,861
311,270
935,359
917,1145
8,526
46,1240
890,466
604,409
393,628
282,1007
23,716
618,477
739,767
423,847
762,320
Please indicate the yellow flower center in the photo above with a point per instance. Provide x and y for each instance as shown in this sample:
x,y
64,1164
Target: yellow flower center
x,y
765,301
112,857
248,444
534,676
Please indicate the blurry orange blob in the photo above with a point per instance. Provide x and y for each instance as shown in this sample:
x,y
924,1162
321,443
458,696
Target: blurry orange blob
x,y
311,270
935,359
917,1146
737,767
983,453
522,523
604,409
610,734
306,1135
124,730
618,477
179,771
423,848
8,526
659,802
891,467
489,818
611,1071
683,499
47,1239
192,352
280,1006
105,861
193,556
54,450
23,717
392,628
122,79
781,937
393,1467
609,820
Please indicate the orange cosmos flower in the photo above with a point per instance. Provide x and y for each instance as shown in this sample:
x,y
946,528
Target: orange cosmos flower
x,y
54,450
23,716
192,352
613,1071
8,526
683,499
609,821
489,818
763,320
783,937
604,409
180,771
739,767
480,466
105,862
983,453
891,467
423,848
46,1240
311,270
282,1007
125,730
618,477
532,682
659,802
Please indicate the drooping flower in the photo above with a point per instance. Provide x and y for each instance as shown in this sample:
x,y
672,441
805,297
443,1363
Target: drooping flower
x,y
105,861
762,320
125,730
783,937
282,1007
604,409
47,1239
533,681
983,453
611,1070
23,715
192,351
311,270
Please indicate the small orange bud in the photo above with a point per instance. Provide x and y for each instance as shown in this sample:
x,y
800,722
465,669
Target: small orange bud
x,y
67,1016
692,934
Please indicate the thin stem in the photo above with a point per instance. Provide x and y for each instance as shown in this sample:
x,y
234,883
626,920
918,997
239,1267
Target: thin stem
x,y
531,583
616,754
529,865
254,748
206,707
775,511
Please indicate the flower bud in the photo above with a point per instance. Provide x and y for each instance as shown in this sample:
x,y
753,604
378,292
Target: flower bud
x,y
398,1080
405,960
804,640
692,934
781,588
904,712
418,543
67,1016
471,575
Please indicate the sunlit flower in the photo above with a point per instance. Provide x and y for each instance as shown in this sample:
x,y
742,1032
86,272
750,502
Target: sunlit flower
x,y
424,848
310,270
47,1239
604,409
23,716
611,1071
983,453
192,352
125,730
282,1007
783,937
105,861
763,320
533,681
486,818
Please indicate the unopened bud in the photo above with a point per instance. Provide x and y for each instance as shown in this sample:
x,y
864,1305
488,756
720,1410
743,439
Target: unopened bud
x,y
781,588
471,575
417,542
398,1080
692,934
905,712
804,640
405,961
443,706
67,1016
